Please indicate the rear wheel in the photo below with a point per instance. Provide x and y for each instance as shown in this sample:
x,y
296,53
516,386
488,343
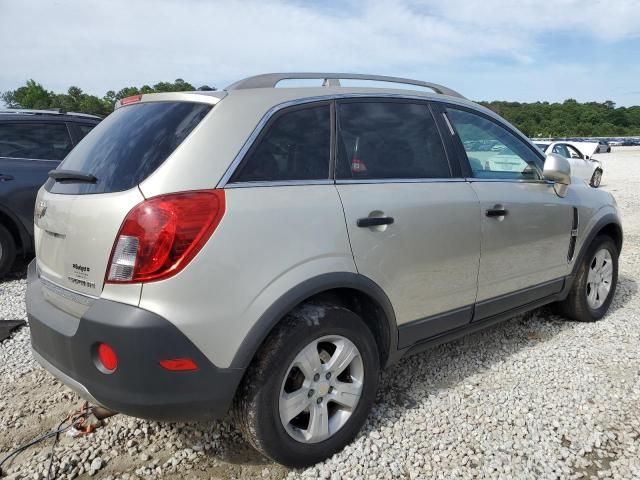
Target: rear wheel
x,y
595,284
7,251
311,387
596,178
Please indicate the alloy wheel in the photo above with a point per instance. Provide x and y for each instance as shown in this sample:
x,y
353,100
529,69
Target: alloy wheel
x,y
599,278
321,389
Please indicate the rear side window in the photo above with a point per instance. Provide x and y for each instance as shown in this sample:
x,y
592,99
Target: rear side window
x,y
296,146
84,128
38,141
391,140
129,145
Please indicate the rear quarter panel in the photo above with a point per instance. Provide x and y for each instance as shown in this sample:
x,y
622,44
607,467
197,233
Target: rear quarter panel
x,y
270,240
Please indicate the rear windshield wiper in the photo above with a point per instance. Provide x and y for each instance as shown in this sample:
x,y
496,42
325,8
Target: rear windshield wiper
x,y
72,176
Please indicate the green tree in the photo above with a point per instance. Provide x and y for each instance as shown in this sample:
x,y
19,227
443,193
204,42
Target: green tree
x,y
32,95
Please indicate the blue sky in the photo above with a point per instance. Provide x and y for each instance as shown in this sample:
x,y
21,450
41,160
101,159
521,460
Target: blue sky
x,y
487,50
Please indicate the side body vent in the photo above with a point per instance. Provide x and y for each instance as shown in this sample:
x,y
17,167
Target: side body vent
x,y
574,235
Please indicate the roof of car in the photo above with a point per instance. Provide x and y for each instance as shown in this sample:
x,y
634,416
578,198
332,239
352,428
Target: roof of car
x,y
52,114
263,90
271,80
257,95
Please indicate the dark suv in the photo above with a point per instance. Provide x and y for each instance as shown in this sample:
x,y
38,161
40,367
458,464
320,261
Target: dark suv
x,y
32,142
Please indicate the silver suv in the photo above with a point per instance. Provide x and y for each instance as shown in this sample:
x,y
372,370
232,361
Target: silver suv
x,y
269,250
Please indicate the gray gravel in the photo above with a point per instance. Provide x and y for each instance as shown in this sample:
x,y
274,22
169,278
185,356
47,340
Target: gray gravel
x,y
536,397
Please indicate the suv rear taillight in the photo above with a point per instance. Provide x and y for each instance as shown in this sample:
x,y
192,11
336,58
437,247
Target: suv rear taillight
x,y
160,236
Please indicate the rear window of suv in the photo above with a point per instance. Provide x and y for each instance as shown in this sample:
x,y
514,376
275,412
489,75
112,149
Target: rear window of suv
x,y
129,145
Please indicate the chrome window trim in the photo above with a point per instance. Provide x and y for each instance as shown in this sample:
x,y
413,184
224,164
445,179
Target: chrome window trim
x,y
279,183
446,120
400,180
224,181
32,159
508,180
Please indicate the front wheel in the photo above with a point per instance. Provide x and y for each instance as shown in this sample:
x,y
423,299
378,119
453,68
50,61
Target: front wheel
x,y
596,178
595,283
310,388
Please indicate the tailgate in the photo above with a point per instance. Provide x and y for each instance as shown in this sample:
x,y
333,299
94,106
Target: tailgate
x,y
74,235
82,206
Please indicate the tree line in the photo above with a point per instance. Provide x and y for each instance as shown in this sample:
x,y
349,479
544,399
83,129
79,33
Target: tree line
x,y
570,118
33,95
538,119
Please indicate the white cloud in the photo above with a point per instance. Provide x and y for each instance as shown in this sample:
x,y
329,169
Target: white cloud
x,y
100,44
609,20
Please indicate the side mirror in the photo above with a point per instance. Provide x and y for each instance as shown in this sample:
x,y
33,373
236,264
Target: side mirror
x,y
558,170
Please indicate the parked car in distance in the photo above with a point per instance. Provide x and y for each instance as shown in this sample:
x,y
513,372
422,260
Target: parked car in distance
x,y
582,165
603,147
269,250
32,142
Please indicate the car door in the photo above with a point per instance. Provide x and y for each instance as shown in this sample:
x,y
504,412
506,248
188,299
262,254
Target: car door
x,y
526,227
28,151
564,149
580,166
413,222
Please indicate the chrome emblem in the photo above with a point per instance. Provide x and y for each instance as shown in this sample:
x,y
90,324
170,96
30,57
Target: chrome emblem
x,y
41,209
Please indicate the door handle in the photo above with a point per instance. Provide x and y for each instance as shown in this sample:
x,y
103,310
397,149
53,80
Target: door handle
x,y
5,178
496,212
374,221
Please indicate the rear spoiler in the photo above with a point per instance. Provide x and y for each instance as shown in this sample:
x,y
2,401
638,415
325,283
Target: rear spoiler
x,y
211,97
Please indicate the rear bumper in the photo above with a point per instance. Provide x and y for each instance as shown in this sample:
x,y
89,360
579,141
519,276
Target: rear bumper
x,y
139,386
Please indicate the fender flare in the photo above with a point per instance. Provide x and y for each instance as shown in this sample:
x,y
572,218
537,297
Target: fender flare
x,y
298,294
607,219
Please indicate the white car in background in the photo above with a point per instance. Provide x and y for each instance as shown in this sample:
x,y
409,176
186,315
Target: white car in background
x,y
579,154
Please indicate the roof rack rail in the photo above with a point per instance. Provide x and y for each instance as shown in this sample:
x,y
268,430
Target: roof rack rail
x,y
270,80
52,111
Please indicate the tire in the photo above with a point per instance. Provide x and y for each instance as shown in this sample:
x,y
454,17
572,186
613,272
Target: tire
x,y
596,178
577,305
7,251
271,376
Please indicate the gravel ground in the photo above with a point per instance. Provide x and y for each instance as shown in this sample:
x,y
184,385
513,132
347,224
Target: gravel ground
x,y
535,397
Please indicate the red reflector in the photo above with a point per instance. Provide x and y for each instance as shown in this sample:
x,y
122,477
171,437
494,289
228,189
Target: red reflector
x,y
108,357
161,235
131,99
179,364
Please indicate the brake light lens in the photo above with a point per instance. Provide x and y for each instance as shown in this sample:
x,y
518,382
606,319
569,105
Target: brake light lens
x,y
161,235
131,99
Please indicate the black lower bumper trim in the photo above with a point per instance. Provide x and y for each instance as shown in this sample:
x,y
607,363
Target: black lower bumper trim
x,y
139,386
